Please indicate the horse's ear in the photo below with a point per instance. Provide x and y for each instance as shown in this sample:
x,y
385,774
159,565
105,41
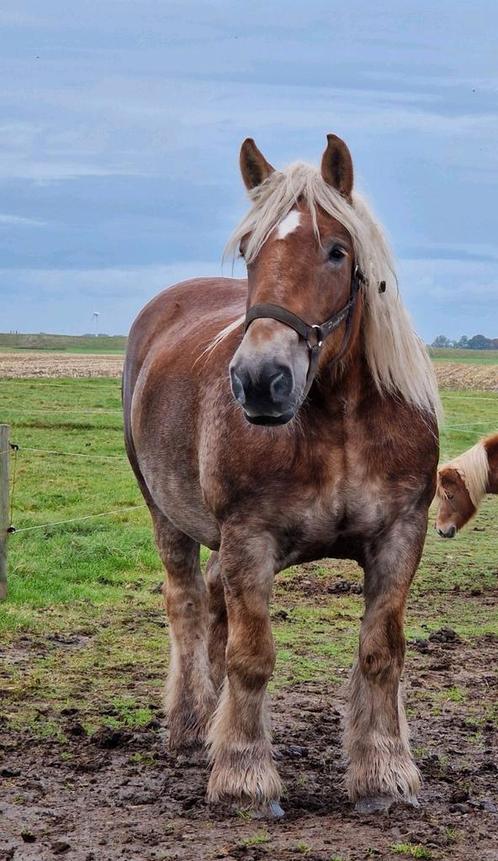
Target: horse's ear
x,y
337,166
449,477
253,165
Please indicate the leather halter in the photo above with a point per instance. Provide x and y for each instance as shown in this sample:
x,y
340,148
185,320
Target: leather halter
x,y
315,334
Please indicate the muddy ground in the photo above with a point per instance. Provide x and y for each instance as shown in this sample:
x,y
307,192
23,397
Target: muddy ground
x,y
122,795
450,375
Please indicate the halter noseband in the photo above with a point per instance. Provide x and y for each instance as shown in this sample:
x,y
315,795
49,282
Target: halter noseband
x,y
315,334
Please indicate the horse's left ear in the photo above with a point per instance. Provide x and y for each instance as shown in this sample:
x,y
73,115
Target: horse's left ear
x,y
337,166
253,165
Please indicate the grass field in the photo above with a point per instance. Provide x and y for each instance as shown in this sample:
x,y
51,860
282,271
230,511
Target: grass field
x,y
95,575
116,344
83,639
63,343
470,357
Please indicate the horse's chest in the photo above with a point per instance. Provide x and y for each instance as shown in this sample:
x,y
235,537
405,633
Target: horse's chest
x,y
348,508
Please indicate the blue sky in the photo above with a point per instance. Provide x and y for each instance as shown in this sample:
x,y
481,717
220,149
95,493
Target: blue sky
x,y
121,123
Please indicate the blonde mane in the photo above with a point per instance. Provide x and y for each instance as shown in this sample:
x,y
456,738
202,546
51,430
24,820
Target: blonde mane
x,y
397,358
473,468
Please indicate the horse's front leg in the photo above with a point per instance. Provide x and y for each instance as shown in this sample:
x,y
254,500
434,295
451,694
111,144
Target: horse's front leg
x,y
239,736
380,764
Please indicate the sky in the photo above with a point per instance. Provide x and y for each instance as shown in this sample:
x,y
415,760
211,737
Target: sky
x,y
121,122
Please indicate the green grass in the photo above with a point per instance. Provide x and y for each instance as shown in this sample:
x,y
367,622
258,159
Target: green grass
x,y
84,626
468,357
411,850
63,343
257,839
468,415
117,343
94,559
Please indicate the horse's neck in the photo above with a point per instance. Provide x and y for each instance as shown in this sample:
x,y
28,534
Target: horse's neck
x,y
352,381
491,446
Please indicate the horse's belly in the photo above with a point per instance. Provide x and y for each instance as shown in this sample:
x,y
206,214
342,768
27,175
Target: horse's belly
x,y
168,463
179,498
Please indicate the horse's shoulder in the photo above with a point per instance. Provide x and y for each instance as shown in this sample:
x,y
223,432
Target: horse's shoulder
x,y
187,296
173,321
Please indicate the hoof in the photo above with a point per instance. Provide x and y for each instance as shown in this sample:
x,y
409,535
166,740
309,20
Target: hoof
x,y
267,810
382,803
374,804
248,775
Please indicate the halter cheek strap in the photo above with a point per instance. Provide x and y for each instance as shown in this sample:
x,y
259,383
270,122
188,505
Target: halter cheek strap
x,y
314,334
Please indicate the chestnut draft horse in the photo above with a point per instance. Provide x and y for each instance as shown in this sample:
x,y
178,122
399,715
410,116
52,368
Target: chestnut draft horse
x,y
278,420
462,484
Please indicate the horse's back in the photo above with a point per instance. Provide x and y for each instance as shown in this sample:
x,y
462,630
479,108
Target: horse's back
x,y
180,321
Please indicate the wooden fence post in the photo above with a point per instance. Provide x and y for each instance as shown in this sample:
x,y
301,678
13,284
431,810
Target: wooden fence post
x,y
4,507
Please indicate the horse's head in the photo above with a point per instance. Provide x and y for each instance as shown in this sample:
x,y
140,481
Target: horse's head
x,y
455,507
302,287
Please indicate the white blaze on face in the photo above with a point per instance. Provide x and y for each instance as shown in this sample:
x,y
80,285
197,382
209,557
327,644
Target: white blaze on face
x,y
288,224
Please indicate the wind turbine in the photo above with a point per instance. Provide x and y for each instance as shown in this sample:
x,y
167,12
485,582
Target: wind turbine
x,y
96,315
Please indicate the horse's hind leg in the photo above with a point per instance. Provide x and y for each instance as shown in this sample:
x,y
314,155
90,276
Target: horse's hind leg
x,y
190,694
218,622
380,765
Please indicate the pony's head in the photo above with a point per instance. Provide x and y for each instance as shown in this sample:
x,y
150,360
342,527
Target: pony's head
x,y
320,275
455,507
461,486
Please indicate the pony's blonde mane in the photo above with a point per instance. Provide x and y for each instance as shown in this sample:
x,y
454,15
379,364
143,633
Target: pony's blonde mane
x,y
473,468
397,358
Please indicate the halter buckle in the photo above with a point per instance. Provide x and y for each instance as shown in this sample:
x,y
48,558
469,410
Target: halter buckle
x,y
317,329
359,275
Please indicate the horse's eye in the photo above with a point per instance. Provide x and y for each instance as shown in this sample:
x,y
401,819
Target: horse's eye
x,y
449,496
241,251
336,253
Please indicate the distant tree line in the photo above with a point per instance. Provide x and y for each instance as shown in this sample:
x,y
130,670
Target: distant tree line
x,y
477,342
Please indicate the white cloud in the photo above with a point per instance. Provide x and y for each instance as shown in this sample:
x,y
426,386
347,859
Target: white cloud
x,y
20,221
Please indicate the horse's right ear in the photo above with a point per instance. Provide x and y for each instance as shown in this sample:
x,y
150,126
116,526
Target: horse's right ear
x,y
253,165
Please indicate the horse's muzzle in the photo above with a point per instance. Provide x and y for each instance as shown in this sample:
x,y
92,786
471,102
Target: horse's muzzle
x,y
448,532
265,392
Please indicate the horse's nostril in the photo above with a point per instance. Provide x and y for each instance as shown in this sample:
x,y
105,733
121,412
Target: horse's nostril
x,y
237,387
449,532
281,385
262,389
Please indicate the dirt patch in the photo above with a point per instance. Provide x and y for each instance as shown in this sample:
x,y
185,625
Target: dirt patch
x,y
452,375
120,795
43,364
321,579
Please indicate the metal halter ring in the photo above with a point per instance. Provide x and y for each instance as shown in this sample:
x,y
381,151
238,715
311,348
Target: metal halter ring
x,y
319,336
